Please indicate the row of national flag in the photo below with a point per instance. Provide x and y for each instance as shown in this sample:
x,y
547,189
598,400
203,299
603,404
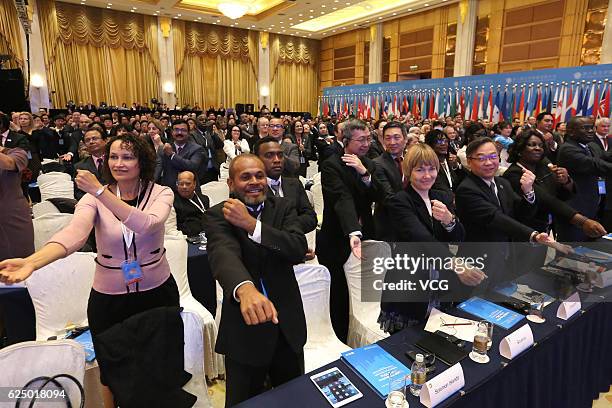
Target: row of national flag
x,y
563,100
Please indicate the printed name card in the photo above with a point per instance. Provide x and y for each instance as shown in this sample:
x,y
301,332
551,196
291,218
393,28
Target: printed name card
x,y
569,307
442,386
516,342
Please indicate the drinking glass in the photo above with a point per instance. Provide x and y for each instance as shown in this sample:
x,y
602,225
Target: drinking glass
x,y
479,346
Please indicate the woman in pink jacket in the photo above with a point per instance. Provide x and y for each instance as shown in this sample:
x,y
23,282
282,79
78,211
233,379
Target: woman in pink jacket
x,y
132,274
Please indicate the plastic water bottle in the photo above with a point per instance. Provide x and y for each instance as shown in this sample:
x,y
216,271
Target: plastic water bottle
x,y
418,375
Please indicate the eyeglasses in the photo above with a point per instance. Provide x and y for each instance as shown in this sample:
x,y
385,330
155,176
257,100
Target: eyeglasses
x,y
179,130
184,184
91,139
441,141
364,140
484,158
277,126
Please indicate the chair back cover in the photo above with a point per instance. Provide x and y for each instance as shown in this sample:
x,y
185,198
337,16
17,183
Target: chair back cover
x,y
47,225
217,191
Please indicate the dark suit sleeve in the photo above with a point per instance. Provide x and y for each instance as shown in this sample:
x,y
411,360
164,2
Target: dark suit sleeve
x,y
224,252
381,181
475,208
307,217
340,196
289,242
193,164
292,158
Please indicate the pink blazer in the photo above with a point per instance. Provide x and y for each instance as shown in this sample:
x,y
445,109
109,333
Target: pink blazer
x,y
147,222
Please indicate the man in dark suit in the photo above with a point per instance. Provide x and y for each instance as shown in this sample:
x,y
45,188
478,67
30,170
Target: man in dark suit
x,y
326,145
276,109
254,241
589,167
388,176
211,142
180,156
270,152
190,204
290,150
95,143
348,194
377,147
489,209
600,147
544,126
10,139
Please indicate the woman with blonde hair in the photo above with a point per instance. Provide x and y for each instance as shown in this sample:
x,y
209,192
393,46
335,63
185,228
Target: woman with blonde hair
x,y
426,220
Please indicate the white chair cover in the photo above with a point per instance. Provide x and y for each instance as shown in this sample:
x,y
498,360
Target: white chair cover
x,y
171,226
176,253
310,197
25,361
194,358
317,195
223,172
60,292
216,191
47,225
322,346
42,208
55,184
312,169
363,326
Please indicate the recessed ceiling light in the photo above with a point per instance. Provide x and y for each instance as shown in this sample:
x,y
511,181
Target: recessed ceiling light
x,y
282,22
282,27
395,14
354,25
347,3
179,15
300,14
323,6
344,28
271,25
175,17
253,26
409,9
335,8
324,33
426,4
322,12
199,18
380,18
367,21
311,16
107,6
214,23
218,21
301,21
284,31
310,35
311,10
333,31
132,11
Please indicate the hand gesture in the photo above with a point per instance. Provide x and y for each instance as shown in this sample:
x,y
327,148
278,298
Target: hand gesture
x,y
168,149
440,212
545,239
66,157
527,180
15,270
255,307
593,229
561,174
157,141
469,275
87,182
236,213
452,161
353,161
355,244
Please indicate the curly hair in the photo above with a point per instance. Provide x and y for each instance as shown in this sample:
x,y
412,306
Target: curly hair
x,y
141,149
520,144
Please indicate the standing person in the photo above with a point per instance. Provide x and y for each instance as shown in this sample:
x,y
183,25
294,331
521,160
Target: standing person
x,y
544,126
601,147
348,194
253,242
95,142
302,141
128,215
235,145
290,150
450,174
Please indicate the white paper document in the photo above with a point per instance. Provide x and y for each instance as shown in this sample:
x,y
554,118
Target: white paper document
x,y
438,321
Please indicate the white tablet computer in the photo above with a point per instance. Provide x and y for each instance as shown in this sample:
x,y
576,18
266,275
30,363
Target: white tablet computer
x,y
336,387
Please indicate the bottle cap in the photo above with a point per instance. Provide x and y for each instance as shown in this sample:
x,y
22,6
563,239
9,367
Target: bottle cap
x,y
419,358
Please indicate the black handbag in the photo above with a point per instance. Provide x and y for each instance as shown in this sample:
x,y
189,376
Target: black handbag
x,y
46,380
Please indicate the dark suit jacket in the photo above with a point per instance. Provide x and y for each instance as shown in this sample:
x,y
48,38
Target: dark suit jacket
x,y
75,139
189,219
294,191
89,165
492,224
427,237
324,150
234,258
51,143
442,183
598,150
388,181
347,207
584,169
550,196
14,139
192,158
376,149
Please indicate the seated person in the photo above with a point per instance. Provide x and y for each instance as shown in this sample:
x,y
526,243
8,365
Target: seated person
x,y
190,205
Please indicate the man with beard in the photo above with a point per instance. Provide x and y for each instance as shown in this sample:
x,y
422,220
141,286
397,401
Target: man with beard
x,y
348,194
254,241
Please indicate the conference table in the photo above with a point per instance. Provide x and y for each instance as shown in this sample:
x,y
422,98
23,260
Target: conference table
x,y
17,310
568,366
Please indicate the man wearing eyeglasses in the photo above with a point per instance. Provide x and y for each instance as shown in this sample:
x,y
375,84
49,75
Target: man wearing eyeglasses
x,y
95,143
290,150
491,212
589,166
180,156
348,194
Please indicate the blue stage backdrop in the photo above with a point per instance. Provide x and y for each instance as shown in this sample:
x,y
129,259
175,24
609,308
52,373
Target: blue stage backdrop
x,y
564,91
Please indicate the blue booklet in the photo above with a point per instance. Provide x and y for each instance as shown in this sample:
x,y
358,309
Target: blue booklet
x,y
491,312
377,367
593,255
85,340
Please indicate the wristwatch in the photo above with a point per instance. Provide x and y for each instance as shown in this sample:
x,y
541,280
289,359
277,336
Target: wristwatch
x,y
100,191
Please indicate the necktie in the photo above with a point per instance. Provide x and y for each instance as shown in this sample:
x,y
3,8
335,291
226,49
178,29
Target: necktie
x,y
492,187
179,150
275,189
447,172
99,161
398,163
605,143
255,210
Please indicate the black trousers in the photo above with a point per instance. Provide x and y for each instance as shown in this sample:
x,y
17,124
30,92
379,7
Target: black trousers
x,y
339,293
244,381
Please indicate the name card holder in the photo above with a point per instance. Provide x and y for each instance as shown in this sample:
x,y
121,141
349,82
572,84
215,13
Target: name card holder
x,y
442,386
516,342
569,307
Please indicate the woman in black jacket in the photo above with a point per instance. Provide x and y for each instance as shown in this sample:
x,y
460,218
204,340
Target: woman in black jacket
x,y
424,223
552,186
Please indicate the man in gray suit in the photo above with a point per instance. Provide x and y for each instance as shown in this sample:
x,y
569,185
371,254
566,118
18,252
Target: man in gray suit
x,y
290,150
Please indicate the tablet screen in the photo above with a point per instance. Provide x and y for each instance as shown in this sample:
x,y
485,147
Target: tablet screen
x,y
336,387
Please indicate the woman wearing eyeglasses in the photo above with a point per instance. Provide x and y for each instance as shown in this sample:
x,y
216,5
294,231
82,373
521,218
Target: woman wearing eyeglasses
x,y
552,186
235,145
450,174
425,224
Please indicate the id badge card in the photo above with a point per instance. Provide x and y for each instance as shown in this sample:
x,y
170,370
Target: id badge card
x,y
132,272
60,142
302,159
601,186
